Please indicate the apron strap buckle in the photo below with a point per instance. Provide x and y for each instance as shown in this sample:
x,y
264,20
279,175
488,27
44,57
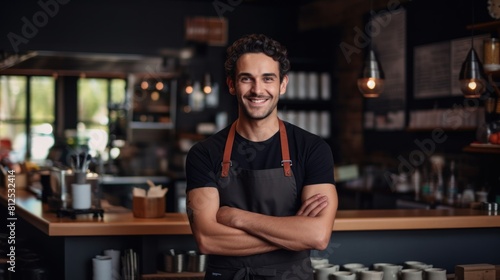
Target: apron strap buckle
x,y
286,163
225,168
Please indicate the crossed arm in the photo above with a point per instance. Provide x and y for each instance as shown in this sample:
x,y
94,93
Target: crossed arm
x,y
235,232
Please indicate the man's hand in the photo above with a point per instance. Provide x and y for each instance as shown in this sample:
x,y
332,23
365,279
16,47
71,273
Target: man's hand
x,y
313,205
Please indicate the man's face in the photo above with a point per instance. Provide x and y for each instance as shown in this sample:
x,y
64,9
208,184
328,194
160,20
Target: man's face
x,y
257,85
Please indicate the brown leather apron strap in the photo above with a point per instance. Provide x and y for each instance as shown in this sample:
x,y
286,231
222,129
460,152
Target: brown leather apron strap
x,y
286,162
226,159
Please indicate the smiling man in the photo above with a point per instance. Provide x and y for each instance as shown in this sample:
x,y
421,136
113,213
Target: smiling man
x,y
260,192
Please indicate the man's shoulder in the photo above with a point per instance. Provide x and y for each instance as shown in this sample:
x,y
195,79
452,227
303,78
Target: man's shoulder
x,y
214,141
301,134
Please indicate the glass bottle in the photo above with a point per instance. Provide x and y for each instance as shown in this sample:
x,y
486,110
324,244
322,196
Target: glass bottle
x,y
451,192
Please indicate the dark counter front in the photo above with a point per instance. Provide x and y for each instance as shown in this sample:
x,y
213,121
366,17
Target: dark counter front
x,y
444,238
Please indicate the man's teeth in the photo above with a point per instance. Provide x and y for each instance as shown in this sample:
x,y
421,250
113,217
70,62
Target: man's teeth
x,y
257,100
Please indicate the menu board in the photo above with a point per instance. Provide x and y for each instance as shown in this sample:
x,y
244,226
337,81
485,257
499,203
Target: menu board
x,y
432,70
437,66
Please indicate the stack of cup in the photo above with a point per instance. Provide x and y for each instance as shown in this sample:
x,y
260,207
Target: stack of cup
x,y
102,268
115,262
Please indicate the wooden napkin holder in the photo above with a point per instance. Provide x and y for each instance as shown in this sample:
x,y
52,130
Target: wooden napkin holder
x,y
148,207
475,272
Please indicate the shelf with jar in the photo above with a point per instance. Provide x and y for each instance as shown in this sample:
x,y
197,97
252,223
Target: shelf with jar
x,y
307,101
153,102
490,142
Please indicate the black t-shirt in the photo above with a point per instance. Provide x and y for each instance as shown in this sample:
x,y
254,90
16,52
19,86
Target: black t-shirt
x,y
312,160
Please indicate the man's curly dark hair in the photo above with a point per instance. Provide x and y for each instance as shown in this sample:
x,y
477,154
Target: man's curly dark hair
x,y
256,43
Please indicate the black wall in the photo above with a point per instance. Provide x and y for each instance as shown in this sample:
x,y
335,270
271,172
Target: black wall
x,y
141,27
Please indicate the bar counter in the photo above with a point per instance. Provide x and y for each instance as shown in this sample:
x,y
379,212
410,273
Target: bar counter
x,y
443,237
120,221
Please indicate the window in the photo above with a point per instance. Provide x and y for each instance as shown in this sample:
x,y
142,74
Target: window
x,y
42,114
95,97
28,113
27,128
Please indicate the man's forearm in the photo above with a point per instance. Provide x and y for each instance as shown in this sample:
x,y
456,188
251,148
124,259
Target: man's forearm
x,y
292,232
233,242
310,228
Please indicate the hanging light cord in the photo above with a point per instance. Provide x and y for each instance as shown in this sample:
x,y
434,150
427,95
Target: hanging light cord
x,y
472,26
370,22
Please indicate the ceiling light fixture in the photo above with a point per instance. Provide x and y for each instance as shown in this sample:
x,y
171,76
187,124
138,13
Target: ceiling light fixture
x,y
471,77
371,80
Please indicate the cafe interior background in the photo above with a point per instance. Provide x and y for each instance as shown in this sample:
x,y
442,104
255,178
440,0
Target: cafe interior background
x,y
136,84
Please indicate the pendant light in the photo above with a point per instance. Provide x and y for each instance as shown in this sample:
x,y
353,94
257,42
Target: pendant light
x,y
371,80
471,77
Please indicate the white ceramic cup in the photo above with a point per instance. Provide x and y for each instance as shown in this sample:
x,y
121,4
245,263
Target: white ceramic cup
x,y
391,271
322,272
315,261
378,266
357,271
351,266
81,196
342,275
371,275
417,265
411,274
435,274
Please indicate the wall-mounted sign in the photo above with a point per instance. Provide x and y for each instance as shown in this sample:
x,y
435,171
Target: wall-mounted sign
x,y
210,30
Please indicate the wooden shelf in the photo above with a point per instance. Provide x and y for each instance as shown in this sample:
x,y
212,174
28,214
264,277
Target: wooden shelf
x,y
483,149
446,129
487,26
173,276
151,125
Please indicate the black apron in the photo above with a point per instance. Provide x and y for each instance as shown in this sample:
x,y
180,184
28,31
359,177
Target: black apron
x,y
270,192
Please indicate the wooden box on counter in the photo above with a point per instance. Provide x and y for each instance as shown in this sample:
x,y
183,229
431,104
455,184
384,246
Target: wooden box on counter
x,y
148,207
475,272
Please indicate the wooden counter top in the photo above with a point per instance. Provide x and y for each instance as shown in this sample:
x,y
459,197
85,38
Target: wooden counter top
x,y
120,221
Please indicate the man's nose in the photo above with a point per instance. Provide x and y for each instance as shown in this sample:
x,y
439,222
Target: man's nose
x,y
257,86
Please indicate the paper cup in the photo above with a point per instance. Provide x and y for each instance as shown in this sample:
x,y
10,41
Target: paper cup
x,y
81,195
